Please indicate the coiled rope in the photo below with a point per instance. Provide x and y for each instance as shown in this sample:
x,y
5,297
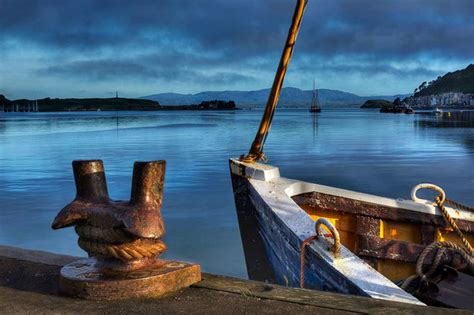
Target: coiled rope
x,y
440,248
140,248
117,243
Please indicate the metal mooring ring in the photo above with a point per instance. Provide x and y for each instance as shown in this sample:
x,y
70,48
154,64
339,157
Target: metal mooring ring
x,y
442,194
335,234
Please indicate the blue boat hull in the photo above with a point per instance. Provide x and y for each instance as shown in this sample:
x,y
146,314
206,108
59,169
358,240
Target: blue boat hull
x,y
272,250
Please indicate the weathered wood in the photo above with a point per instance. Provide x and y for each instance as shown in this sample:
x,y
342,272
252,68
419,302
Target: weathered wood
x,y
283,249
28,279
370,245
256,261
368,225
270,247
345,205
428,233
324,299
374,246
371,227
283,227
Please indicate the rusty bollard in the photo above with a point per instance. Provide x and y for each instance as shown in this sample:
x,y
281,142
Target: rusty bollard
x,y
123,238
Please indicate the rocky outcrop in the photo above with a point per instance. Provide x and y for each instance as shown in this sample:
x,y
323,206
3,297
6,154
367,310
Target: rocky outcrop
x,y
376,104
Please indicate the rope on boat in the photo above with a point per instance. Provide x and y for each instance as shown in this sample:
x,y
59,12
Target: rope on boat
x,y
305,243
319,232
458,205
465,252
450,220
440,248
439,201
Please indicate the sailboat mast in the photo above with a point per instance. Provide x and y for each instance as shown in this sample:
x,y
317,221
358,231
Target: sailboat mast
x,y
256,150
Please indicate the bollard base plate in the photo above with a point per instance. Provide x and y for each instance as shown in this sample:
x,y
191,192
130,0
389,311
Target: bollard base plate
x,y
84,280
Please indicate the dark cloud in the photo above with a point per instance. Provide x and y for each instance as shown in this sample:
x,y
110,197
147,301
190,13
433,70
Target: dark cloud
x,y
393,29
365,69
111,69
246,27
102,69
181,39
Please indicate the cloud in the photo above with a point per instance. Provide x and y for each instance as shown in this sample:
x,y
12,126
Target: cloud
x,y
362,66
344,26
113,69
237,41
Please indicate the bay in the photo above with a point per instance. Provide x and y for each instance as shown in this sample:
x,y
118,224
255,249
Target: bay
x,y
362,150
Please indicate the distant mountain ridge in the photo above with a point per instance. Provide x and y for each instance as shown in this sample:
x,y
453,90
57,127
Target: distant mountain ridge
x,y
290,96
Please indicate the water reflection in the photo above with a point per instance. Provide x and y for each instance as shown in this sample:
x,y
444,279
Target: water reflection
x,y
454,119
359,150
452,123
315,126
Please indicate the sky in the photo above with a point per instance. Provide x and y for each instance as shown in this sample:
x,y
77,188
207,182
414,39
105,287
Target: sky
x,y
92,48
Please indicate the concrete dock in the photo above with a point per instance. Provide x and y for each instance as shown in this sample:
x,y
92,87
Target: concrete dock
x,y
29,284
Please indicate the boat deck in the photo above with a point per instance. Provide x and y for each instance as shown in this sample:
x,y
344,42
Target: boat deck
x,y
29,284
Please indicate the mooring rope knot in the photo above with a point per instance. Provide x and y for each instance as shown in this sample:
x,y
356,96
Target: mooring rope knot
x,y
439,202
465,251
117,243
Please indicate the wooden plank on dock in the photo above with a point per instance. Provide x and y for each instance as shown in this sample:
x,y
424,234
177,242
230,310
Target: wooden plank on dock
x,y
321,299
29,282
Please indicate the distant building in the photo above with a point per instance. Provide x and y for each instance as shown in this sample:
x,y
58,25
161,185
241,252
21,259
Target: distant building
x,y
450,99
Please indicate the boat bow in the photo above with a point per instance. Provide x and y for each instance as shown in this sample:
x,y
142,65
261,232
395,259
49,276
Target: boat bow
x,y
280,228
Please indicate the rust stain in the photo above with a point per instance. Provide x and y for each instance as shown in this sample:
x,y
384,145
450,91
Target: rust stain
x,y
122,235
123,238
385,237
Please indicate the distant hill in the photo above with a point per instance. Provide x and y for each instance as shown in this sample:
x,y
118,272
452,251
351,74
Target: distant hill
x,y
290,96
4,100
79,104
457,81
103,104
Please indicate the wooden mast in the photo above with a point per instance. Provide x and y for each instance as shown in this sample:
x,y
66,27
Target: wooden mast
x,y
256,150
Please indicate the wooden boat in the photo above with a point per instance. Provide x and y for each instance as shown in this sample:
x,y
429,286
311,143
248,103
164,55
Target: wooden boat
x,y
372,241
381,238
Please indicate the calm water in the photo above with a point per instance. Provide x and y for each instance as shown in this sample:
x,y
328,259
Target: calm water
x,y
383,154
